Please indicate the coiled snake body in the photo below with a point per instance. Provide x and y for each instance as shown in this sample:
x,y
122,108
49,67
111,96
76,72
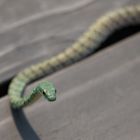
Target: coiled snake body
x,y
87,44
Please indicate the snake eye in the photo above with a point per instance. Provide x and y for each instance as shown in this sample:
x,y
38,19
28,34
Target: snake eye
x,y
55,90
44,93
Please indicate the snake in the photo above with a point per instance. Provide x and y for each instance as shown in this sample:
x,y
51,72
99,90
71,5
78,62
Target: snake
x,y
86,45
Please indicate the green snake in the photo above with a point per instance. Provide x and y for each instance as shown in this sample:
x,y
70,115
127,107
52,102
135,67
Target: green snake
x,y
84,46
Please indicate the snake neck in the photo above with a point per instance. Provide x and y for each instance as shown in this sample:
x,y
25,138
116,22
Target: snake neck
x,y
17,101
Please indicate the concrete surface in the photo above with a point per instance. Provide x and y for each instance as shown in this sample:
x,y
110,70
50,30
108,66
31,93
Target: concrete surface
x,y
31,31
98,98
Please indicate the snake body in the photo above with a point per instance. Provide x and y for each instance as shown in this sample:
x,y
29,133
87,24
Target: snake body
x,y
85,45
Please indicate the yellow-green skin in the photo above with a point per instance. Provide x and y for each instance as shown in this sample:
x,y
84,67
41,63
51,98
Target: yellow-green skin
x,y
87,44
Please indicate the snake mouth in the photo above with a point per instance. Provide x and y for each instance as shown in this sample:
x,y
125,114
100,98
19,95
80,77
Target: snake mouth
x,y
50,98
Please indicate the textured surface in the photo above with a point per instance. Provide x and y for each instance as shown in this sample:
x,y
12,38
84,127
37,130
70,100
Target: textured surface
x,y
38,33
109,80
98,98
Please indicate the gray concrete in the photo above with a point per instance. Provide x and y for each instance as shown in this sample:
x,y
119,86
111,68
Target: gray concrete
x,y
98,98
34,30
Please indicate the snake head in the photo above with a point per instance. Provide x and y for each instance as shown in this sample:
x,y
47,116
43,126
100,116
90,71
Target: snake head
x,y
48,90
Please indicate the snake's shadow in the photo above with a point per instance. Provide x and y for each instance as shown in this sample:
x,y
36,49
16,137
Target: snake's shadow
x,y
23,126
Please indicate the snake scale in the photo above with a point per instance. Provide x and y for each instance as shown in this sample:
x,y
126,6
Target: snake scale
x,y
85,45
